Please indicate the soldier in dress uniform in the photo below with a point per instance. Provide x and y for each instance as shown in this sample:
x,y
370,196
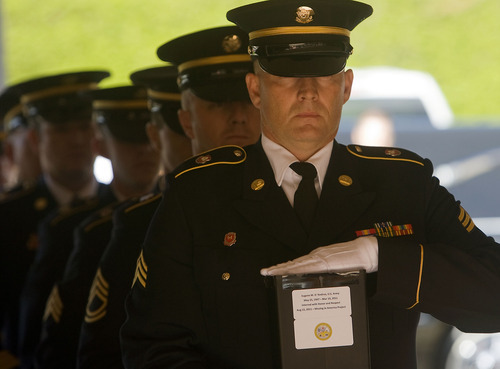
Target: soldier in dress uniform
x,y
199,298
105,313
20,154
120,116
57,109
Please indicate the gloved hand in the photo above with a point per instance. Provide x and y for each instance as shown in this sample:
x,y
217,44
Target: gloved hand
x,y
361,253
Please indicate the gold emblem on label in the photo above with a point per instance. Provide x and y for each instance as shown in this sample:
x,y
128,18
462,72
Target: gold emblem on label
x,y
323,331
231,43
226,276
41,203
237,153
203,159
392,152
345,180
258,184
304,15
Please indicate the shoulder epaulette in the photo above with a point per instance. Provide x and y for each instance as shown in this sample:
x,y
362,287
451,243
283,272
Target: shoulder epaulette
x,y
18,192
103,215
67,211
222,155
144,200
384,153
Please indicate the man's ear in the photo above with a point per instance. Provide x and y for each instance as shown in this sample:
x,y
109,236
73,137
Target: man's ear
x,y
348,79
185,121
154,136
253,87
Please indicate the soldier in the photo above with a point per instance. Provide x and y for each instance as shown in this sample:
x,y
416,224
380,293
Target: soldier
x,y
120,116
222,80
57,109
199,298
20,154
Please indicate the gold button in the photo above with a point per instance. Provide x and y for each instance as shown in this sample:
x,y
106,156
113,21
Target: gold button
x,y
392,152
226,276
345,180
203,159
258,184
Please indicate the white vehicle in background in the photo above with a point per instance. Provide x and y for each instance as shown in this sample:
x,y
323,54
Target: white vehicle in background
x,y
406,108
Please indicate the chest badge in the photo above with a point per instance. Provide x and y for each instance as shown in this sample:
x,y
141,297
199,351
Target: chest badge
x,y
230,239
386,229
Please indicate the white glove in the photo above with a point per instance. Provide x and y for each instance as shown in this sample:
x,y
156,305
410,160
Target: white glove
x,y
361,253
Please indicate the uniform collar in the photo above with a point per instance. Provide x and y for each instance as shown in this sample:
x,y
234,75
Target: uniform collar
x,y
64,196
280,159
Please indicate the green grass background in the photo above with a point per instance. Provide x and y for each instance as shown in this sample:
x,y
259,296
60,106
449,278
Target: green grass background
x,y
457,41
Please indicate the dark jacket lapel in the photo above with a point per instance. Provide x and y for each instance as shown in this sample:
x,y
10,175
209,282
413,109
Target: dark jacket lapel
x,y
343,199
266,206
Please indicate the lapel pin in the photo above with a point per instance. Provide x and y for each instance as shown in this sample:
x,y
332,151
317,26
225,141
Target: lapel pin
x,y
258,184
345,180
230,239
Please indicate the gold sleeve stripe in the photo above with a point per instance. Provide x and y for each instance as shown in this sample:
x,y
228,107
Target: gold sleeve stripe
x,y
383,158
417,298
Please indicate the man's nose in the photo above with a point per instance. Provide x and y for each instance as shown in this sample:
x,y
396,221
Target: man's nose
x,y
239,112
308,89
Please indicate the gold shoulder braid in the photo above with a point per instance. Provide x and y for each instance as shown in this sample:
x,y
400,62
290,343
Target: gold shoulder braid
x,y
222,155
384,153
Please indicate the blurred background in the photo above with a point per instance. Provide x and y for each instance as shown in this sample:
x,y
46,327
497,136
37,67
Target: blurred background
x,y
426,78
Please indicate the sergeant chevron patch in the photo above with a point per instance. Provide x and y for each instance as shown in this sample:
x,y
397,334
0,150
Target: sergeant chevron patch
x,y
141,271
54,307
98,299
466,220
386,229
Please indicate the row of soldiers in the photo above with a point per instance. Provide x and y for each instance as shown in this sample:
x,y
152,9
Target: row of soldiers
x,y
69,245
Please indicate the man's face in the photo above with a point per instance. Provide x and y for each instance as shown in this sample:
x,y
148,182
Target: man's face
x,y
300,113
66,150
209,124
135,165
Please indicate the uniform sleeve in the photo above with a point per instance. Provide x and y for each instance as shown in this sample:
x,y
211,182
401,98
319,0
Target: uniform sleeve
x,y
164,320
453,273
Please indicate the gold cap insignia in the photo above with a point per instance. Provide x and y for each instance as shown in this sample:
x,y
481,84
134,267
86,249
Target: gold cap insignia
x,y
231,43
345,180
237,153
304,15
203,159
230,239
257,184
392,152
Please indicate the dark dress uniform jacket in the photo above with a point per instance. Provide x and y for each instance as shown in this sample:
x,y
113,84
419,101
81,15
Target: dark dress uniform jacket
x,y
55,234
20,213
66,304
197,303
99,345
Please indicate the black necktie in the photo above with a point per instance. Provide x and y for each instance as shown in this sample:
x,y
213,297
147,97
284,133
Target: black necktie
x,y
306,197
